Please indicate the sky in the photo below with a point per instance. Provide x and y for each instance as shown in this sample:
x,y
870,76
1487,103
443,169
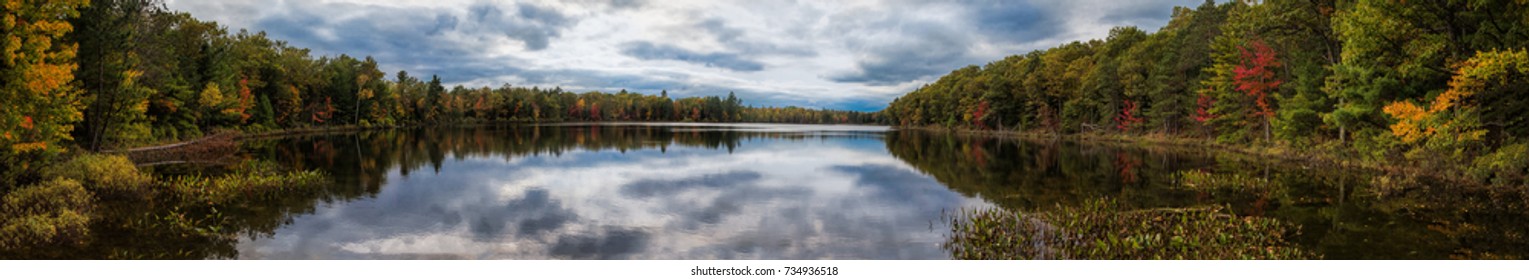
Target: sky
x,y
847,55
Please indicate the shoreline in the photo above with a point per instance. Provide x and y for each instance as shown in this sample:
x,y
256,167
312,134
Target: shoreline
x,y
1314,156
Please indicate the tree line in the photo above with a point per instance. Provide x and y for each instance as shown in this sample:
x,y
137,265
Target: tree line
x,y
109,74
1377,79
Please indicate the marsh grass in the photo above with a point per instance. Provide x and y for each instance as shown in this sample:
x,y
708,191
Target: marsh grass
x,y
1198,180
1102,229
253,180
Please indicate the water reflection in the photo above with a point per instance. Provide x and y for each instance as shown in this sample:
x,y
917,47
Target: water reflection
x,y
615,192
1342,214
656,191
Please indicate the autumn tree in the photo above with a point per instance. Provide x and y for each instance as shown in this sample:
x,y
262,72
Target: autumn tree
x,y
1460,118
36,83
1127,117
1255,77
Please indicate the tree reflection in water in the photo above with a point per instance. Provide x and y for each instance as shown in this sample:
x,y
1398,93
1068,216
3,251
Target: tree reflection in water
x,y
858,193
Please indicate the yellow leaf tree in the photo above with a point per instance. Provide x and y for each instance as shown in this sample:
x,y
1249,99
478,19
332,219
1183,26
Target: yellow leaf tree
x,y
1452,121
36,71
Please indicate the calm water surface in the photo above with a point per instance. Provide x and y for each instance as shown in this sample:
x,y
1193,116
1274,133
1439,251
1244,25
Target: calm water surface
x,y
693,191
618,192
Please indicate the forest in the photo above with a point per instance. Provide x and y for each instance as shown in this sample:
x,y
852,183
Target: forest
x,y
111,74
1437,83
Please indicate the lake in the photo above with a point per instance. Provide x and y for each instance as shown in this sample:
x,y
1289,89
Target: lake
x,y
745,191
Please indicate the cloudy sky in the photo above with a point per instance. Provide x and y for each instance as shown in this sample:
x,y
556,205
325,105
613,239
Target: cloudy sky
x,y
853,54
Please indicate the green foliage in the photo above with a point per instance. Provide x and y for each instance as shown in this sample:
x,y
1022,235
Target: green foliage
x,y
112,72
1508,166
104,174
147,74
1282,73
1102,229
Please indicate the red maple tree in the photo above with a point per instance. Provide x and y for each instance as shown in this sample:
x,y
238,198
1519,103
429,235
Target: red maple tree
x,y
1255,77
979,113
1127,116
1202,111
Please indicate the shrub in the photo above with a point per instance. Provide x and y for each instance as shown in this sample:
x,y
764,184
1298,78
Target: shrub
x,y
50,213
1507,166
104,174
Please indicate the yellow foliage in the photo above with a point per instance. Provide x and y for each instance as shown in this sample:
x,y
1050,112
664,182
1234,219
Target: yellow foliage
x,y
1472,76
211,96
1410,118
28,147
99,172
39,70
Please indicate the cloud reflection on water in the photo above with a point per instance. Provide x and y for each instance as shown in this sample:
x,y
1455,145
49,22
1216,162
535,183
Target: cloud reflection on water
x,y
836,198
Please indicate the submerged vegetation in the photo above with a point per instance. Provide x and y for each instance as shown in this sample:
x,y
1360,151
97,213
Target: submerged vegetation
x,y
1102,229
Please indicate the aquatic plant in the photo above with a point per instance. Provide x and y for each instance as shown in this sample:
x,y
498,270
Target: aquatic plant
x,y
251,181
1198,180
1102,229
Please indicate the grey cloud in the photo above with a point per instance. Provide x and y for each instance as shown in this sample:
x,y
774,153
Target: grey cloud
x,y
533,25
1014,21
733,38
907,188
651,51
922,49
721,30
650,188
412,36
1148,15
614,5
611,243
533,214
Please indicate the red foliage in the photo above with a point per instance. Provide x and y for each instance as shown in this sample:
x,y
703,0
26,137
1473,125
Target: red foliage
x,y
979,113
1127,117
323,113
244,100
1202,112
1127,165
1255,76
594,111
